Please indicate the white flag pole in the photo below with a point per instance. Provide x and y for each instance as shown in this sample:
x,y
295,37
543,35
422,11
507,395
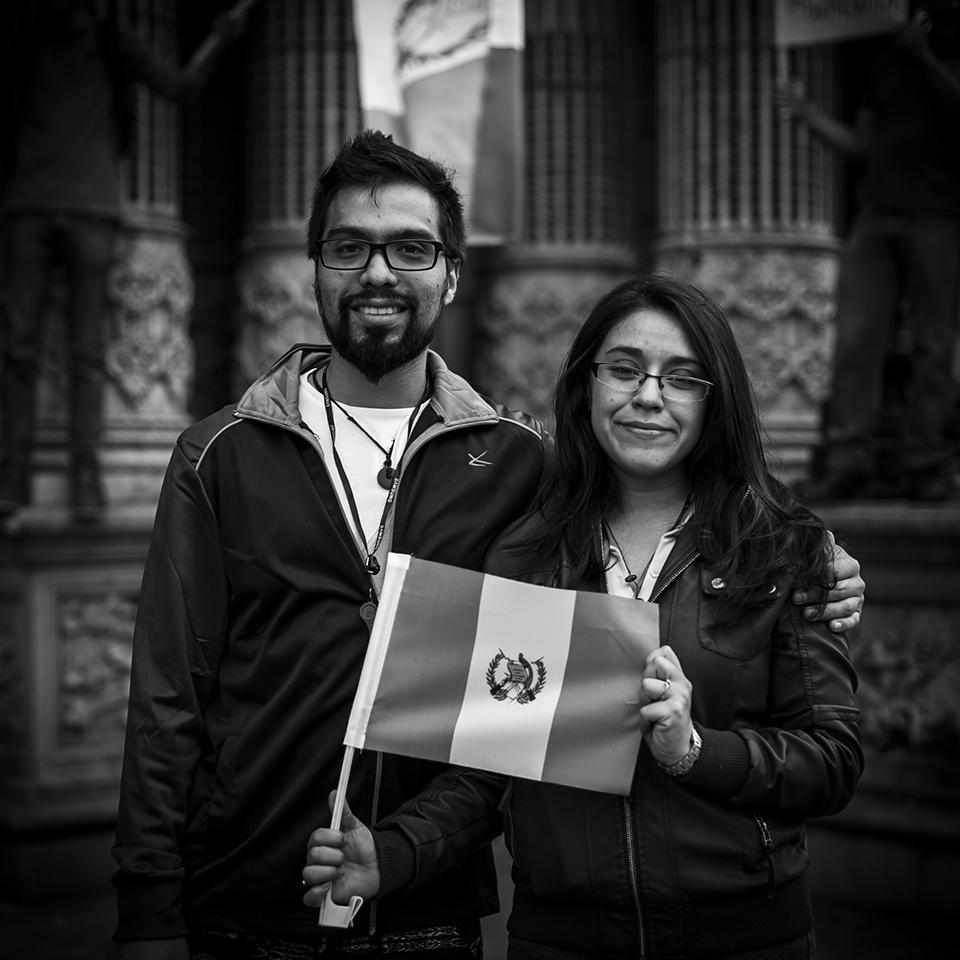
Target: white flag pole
x,y
337,815
337,914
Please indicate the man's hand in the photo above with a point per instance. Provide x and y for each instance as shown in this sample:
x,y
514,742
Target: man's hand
x,y
176,949
345,858
791,97
914,36
845,601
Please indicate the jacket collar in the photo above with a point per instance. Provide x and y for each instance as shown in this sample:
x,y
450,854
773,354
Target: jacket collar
x,y
275,397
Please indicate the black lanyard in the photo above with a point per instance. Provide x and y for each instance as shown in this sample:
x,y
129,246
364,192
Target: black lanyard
x,y
371,564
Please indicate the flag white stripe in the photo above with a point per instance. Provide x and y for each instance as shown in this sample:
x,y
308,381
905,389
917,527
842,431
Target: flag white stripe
x,y
396,572
511,623
506,24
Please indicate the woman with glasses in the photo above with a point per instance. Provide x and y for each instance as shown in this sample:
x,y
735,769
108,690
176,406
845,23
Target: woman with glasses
x,y
660,491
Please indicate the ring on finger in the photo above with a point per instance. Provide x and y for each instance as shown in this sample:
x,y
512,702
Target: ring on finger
x,y
666,688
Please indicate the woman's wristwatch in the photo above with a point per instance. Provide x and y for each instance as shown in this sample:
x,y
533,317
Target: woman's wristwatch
x,y
684,764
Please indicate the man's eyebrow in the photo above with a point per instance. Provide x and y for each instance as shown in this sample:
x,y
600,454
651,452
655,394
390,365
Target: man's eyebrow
x,y
358,233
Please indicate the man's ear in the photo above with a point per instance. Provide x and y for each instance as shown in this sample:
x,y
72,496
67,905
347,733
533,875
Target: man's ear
x,y
453,277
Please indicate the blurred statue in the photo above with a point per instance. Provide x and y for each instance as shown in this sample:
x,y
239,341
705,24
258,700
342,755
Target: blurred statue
x,y
902,258
69,69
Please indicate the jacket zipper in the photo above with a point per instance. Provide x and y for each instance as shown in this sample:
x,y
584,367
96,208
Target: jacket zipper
x,y
767,842
411,449
674,576
633,874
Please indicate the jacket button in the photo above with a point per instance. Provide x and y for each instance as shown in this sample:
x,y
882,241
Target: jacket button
x,y
718,583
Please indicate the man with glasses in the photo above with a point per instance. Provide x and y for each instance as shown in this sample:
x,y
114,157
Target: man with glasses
x,y
262,580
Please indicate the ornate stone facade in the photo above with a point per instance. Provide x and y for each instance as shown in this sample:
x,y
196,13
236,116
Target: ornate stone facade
x,y
70,600
149,360
534,307
780,303
67,591
748,204
278,309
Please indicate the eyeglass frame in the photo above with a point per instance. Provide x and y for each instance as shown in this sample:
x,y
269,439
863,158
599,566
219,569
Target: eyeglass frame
x,y
643,376
437,245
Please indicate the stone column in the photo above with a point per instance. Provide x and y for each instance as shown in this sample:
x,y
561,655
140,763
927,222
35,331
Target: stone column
x,y
748,202
68,592
148,357
587,191
302,103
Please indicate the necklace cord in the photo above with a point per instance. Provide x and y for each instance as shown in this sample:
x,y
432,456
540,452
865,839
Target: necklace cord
x,y
632,578
371,564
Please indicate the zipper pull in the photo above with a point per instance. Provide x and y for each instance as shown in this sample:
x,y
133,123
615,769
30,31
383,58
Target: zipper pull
x,y
767,842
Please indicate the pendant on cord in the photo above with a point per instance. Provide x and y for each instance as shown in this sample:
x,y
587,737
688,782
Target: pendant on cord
x,y
386,474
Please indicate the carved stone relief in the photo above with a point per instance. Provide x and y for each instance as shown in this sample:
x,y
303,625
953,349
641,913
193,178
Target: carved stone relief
x,y
94,647
151,292
526,326
780,304
908,663
279,310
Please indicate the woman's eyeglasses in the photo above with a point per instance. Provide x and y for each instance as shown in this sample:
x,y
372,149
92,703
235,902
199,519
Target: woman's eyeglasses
x,y
629,379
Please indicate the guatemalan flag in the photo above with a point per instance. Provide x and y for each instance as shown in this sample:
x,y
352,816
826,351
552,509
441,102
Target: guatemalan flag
x,y
485,672
444,78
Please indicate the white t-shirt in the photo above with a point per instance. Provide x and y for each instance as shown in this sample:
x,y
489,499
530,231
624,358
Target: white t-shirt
x,y
362,460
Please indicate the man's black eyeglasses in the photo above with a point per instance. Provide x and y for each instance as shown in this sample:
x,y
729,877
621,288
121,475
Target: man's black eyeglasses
x,y
346,253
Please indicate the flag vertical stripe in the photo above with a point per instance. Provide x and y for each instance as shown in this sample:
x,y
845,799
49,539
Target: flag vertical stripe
x,y
613,639
446,598
514,620
373,662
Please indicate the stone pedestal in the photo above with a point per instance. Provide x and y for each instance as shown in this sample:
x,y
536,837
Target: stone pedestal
x,y
67,605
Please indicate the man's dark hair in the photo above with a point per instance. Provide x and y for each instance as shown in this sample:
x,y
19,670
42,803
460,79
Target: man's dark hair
x,y
372,159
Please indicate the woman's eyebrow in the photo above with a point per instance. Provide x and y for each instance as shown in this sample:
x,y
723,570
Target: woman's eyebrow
x,y
637,353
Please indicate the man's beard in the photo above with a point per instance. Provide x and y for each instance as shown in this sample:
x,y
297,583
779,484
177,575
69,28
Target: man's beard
x,y
368,349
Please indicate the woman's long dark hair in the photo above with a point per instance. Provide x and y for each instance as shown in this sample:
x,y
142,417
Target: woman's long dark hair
x,y
746,522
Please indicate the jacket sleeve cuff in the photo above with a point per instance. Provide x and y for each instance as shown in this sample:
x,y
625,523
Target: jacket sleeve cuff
x,y
723,765
397,860
149,910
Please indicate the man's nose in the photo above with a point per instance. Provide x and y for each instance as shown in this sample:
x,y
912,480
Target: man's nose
x,y
377,272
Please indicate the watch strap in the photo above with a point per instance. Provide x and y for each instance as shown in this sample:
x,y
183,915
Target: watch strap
x,y
684,764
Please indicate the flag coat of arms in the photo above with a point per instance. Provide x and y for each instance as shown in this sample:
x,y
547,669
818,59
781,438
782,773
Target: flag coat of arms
x,y
524,680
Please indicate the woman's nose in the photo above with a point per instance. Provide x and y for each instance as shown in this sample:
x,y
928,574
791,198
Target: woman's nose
x,y
648,393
